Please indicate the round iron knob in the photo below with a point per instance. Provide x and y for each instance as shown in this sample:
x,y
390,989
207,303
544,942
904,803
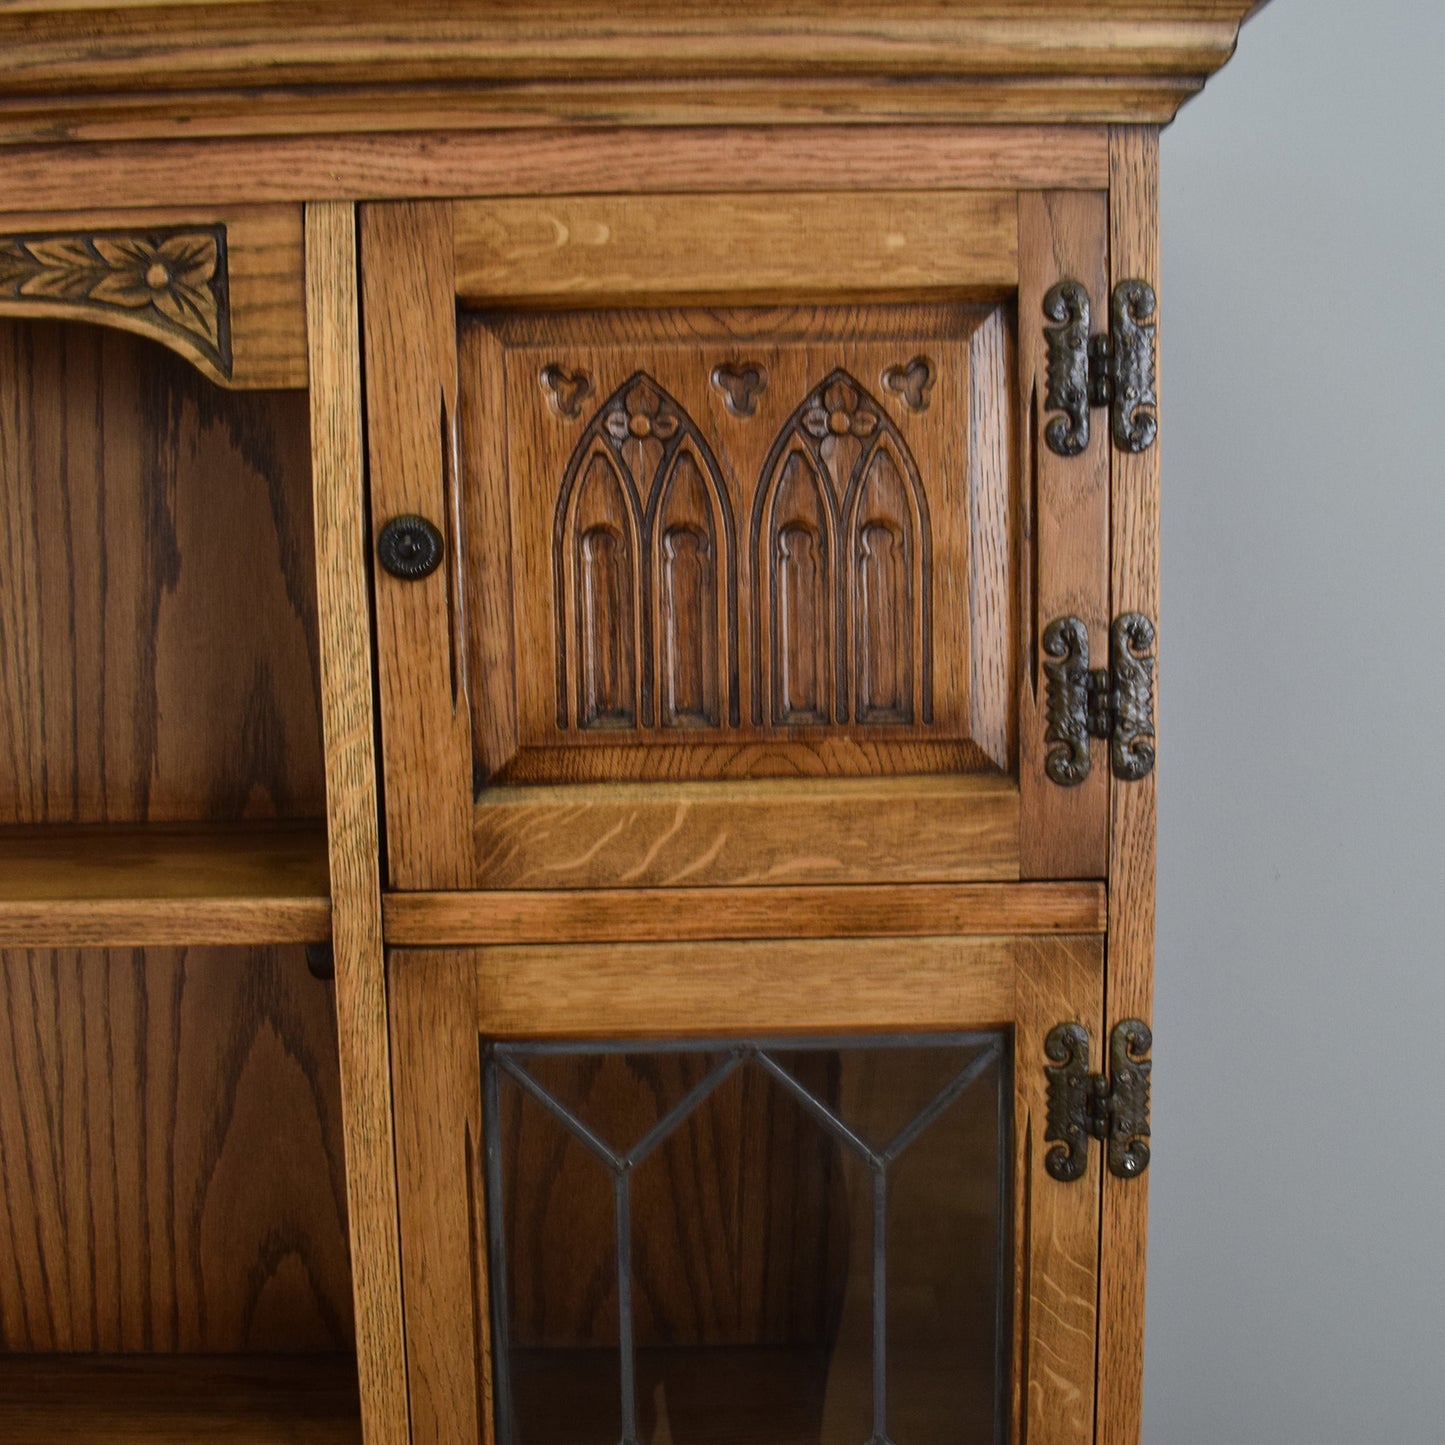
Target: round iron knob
x,y
410,547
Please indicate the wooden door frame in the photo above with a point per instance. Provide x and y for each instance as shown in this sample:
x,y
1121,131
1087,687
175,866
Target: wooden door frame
x,y
417,258
443,1002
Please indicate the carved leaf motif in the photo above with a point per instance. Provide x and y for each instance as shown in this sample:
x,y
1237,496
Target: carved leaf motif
x,y
175,278
911,382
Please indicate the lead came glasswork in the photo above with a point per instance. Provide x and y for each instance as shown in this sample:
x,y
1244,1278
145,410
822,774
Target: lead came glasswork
x,y
780,1335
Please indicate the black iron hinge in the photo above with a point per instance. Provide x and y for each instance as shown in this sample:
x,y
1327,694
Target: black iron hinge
x,y
1113,369
1114,702
1112,1108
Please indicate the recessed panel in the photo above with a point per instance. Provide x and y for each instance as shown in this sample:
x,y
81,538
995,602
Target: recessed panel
x,y
709,544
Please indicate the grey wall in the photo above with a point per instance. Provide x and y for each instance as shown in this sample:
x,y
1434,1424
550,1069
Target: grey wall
x,y
1297,1251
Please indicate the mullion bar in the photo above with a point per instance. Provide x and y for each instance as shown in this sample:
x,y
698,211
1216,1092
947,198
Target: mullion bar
x,y
880,1303
497,1257
679,1111
626,1341
817,1108
940,1101
565,1117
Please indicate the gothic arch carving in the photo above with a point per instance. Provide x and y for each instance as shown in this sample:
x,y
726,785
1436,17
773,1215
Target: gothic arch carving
x,y
841,560
645,594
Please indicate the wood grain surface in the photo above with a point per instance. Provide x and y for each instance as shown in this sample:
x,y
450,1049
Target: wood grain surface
x,y
775,831
129,886
157,608
1063,831
178,1400
436,1068
1133,253
433,160
258,284
170,1135
633,990
658,915
409,307
1056,1250
338,463
592,250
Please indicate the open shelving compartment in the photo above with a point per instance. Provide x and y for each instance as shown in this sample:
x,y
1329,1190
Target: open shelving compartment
x,y
173,1190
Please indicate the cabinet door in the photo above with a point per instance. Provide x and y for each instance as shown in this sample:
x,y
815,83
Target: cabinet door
x,y
773,1192
747,543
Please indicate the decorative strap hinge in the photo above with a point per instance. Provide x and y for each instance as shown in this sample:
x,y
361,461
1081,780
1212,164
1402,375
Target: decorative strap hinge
x,y
1113,1107
1114,368
1115,703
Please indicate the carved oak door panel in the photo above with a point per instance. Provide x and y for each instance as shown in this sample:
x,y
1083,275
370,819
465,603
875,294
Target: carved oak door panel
x,y
726,595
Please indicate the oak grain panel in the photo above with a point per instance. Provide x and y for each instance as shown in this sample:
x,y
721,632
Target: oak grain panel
x,y
849,830
338,460
634,990
136,886
171,1175
598,250
684,914
432,158
1133,253
1065,534
144,516
177,1400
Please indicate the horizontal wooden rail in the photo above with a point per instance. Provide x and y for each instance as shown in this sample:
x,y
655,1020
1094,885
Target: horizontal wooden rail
x,y
692,914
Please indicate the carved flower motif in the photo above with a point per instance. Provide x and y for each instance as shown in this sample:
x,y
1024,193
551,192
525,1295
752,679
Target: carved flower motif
x,y
842,413
642,414
173,275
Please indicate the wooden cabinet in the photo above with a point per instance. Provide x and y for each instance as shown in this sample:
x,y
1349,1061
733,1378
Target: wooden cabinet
x,y
692,699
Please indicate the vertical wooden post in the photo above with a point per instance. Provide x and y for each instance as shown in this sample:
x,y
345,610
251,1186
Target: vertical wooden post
x,y
334,347
1063,235
1134,527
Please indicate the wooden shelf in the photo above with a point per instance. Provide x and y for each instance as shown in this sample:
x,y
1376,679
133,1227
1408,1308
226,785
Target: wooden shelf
x,y
153,885
178,1400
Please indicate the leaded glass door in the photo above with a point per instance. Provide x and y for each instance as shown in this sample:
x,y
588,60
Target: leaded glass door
x,y
679,1194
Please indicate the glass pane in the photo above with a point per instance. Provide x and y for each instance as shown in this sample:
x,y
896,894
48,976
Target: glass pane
x,y
770,1242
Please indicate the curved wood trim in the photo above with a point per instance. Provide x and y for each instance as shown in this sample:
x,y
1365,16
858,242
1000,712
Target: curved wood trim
x,y
221,288
165,282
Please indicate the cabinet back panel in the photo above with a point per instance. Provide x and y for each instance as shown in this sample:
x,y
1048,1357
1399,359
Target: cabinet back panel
x,y
157,608
171,1170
